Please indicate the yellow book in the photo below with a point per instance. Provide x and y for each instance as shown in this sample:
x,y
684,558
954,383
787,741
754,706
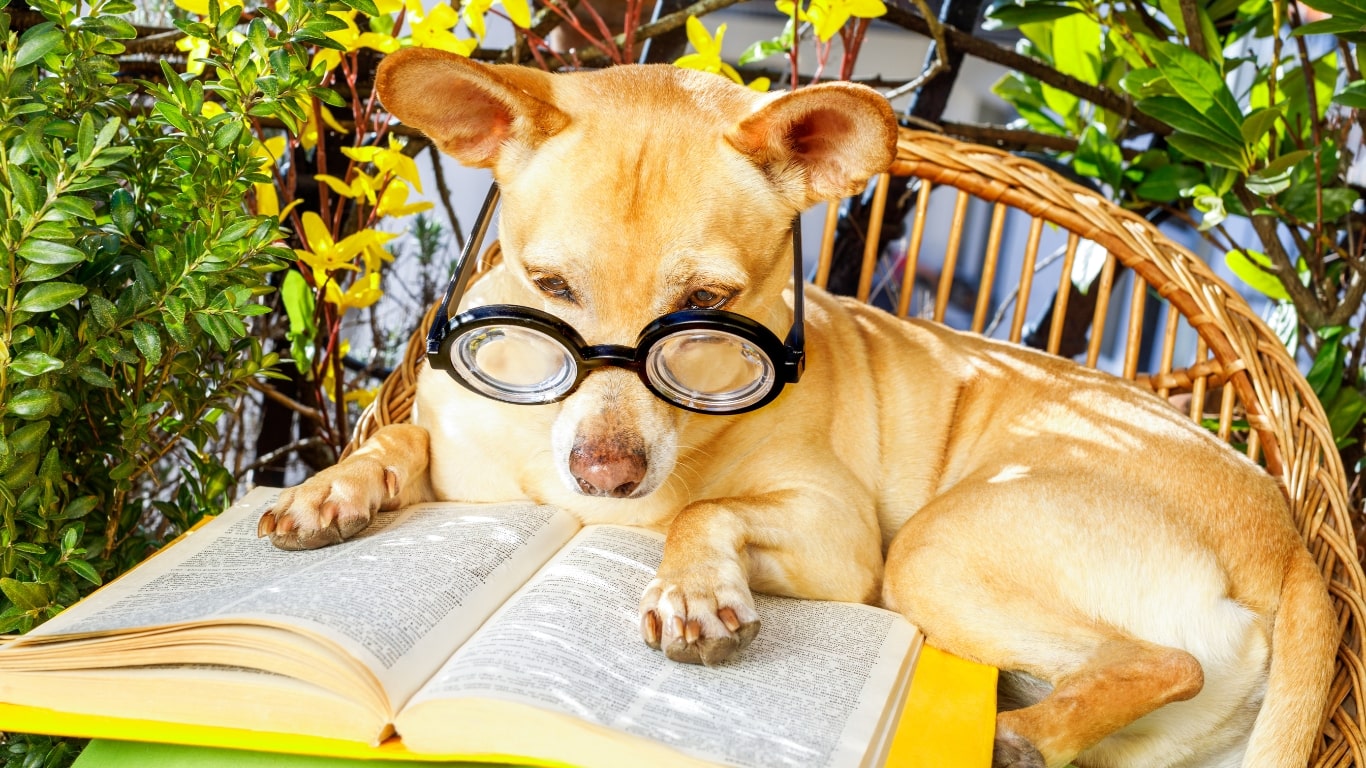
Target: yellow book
x,y
476,632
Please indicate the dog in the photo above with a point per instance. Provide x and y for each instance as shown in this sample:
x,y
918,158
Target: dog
x,y
1140,584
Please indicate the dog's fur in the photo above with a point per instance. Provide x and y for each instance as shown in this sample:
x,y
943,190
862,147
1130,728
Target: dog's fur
x,y
1141,583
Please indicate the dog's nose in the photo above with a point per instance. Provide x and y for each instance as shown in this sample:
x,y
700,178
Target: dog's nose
x,y
607,470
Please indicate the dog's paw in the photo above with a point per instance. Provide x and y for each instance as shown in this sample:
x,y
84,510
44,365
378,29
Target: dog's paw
x,y
698,618
330,507
1011,750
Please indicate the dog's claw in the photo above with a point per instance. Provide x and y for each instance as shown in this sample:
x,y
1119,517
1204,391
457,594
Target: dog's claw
x,y
649,628
728,617
266,525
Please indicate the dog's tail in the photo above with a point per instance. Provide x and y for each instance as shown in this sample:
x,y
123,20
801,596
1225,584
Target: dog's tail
x,y
1304,643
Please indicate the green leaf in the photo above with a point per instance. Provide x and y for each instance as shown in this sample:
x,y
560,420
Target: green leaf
x,y
71,205
95,377
1325,375
85,137
25,191
103,312
1350,29
85,570
37,42
1098,156
1200,84
1353,96
173,115
122,211
28,595
1276,176
1302,202
366,7
1345,413
78,507
29,438
35,364
1164,184
1204,150
1009,14
50,296
1146,83
31,403
148,341
1258,123
1248,266
1179,114
48,252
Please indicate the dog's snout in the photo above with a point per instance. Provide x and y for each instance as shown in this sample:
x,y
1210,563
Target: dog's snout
x,y
607,469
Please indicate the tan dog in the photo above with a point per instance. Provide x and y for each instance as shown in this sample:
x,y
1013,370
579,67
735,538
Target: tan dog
x,y
1049,520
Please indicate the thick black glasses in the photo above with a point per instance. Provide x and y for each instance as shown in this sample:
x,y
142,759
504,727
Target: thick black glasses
x,y
701,360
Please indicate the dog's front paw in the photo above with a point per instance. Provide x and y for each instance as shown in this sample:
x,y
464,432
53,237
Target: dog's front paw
x,y
698,617
330,507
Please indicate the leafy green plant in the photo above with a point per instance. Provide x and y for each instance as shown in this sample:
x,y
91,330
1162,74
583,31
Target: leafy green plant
x,y
131,273
1241,117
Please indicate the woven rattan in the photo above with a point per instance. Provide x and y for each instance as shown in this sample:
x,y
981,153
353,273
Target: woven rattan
x,y
1240,377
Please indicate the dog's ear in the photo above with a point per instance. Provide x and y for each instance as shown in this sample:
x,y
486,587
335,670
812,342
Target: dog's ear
x,y
470,110
825,140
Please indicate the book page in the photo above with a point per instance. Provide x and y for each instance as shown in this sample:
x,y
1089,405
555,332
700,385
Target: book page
x,y
811,690
398,597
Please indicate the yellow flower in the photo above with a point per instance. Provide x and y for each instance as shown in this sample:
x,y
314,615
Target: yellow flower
x,y
393,201
432,29
363,185
519,12
354,39
375,256
828,16
201,7
362,397
391,160
196,50
760,84
708,56
326,254
362,292
308,134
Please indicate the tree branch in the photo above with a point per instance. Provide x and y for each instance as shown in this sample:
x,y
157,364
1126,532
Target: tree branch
x,y
1195,35
1014,139
594,55
988,51
288,402
1306,303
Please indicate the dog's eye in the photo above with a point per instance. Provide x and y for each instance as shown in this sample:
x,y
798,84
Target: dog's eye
x,y
705,299
553,285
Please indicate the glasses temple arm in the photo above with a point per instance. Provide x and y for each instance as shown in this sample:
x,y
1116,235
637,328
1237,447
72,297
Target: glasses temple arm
x,y
461,278
796,338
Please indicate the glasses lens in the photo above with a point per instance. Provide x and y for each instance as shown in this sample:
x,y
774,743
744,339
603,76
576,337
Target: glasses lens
x,y
514,364
710,370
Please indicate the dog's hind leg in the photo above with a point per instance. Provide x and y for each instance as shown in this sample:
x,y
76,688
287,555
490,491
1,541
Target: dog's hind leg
x,y
958,571
388,471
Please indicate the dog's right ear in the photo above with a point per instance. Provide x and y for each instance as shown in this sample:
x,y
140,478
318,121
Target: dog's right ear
x,y
470,110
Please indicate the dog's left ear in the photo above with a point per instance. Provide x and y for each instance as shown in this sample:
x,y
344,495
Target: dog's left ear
x,y
827,140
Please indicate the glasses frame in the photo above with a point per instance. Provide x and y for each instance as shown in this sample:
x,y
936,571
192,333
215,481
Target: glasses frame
x,y
788,357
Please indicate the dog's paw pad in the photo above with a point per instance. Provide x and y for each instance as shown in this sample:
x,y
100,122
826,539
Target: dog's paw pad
x,y
1011,750
701,624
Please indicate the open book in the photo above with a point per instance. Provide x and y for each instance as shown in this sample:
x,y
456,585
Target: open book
x,y
482,631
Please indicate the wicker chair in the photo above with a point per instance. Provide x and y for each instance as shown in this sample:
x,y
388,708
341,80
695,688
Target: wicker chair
x,y
1238,377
